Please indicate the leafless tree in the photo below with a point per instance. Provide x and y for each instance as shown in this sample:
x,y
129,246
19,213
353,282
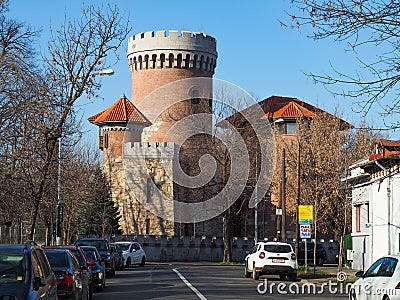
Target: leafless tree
x,y
362,25
77,51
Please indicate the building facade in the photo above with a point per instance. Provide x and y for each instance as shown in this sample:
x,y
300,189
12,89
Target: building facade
x,y
375,183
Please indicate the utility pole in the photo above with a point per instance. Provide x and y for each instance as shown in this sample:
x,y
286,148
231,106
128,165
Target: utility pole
x,y
283,234
256,206
59,207
298,199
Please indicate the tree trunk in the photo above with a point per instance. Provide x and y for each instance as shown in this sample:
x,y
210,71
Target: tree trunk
x,y
227,238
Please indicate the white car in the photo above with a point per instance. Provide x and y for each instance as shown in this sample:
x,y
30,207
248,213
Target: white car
x,y
133,253
381,281
271,258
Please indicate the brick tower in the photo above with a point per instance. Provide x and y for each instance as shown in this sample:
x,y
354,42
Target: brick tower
x,y
159,58
156,59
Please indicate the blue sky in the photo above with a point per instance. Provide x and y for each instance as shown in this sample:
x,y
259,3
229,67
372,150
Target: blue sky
x,y
254,51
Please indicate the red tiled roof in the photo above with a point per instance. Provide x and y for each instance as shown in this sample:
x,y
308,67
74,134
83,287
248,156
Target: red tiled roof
x,y
389,143
293,109
287,107
122,110
276,107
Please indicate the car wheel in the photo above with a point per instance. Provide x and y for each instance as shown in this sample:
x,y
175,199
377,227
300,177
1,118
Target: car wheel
x,y
255,275
143,262
282,277
128,262
247,274
293,277
386,297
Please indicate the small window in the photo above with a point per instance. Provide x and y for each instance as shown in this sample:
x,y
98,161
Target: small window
x,y
358,210
291,128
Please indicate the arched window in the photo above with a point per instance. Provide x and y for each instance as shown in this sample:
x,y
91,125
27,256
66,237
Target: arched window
x,y
202,62
208,64
187,61
194,95
146,61
134,63
179,61
153,61
162,60
195,61
170,60
140,62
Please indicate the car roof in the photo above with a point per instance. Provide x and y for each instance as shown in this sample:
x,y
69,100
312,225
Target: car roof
x,y
273,243
92,239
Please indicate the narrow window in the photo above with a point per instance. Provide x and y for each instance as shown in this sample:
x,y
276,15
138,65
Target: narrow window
x,y
187,61
162,60
194,62
146,61
358,228
153,61
202,62
179,61
140,62
170,60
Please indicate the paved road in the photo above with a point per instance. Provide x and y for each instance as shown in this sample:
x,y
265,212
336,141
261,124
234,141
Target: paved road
x,y
197,282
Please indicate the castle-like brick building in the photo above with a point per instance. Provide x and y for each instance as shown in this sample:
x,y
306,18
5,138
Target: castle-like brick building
x,y
156,59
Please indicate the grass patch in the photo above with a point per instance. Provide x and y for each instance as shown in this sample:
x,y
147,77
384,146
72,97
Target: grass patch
x,y
224,263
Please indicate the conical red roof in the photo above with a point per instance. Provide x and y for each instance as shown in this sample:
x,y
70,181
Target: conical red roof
x,y
121,111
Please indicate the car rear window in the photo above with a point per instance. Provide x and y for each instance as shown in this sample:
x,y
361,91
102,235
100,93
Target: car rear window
x,y
91,255
100,245
12,267
278,248
57,259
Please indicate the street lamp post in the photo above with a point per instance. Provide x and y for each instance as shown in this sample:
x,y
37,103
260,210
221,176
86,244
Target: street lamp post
x,y
59,206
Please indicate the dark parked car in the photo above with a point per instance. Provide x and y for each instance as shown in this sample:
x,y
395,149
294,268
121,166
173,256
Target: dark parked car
x,y
104,249
97,266
83,262
70,279
25,273
118,256
320,257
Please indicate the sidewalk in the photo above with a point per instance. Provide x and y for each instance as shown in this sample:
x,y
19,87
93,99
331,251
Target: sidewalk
x,y
327,273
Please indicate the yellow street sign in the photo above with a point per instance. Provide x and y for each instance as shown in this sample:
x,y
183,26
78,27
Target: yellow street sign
x,y
306,212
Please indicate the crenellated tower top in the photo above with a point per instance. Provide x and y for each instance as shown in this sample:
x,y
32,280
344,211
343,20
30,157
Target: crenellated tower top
x,y
172,49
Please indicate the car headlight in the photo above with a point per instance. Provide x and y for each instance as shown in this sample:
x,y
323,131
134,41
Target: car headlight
x,y
108,257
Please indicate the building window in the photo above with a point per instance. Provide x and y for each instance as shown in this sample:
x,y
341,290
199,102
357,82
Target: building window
x,y
358,211
286,128
291,128
367,209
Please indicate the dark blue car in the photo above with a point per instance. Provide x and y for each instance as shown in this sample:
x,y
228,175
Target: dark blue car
x,y
25,273
104,249
97,267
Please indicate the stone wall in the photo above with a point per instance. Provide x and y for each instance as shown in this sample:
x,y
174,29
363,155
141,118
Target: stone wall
x,y
185,248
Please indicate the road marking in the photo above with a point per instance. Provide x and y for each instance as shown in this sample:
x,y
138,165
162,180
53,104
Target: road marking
x,y
196,291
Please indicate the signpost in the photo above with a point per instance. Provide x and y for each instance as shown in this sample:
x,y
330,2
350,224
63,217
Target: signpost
x,y
306,214
305,221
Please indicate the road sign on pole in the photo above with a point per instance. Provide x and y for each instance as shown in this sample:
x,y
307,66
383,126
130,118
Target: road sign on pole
x,y
305,214
305,231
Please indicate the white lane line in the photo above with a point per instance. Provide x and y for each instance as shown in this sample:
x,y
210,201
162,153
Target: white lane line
x,y
196,291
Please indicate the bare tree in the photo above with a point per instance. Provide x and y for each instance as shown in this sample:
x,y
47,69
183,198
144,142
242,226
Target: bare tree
x,y
360,24
78,51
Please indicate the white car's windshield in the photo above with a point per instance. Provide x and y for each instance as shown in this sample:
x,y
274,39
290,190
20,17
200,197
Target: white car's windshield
x,y
124,246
